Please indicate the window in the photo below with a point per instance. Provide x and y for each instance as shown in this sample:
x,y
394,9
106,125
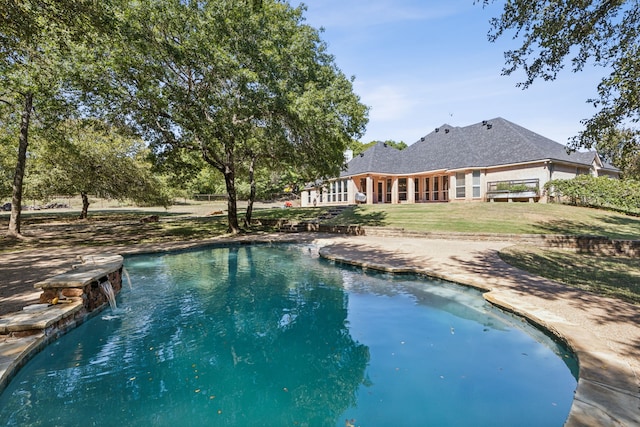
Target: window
x,y
416,189
339,191
476,184
445,188
427,190
436,188
345,192
388,190
460,186
402,189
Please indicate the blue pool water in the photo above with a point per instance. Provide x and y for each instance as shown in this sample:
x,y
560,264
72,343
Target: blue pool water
x,y
274,336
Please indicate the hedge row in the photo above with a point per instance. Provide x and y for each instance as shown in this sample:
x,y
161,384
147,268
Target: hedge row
x,y
600,192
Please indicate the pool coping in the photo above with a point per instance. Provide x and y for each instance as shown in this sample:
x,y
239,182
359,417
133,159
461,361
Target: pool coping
x,y
608,390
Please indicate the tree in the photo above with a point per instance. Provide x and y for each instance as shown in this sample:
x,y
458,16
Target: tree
x,y
584,33
236,82
37,41
91,158
361,148
615,147
8,150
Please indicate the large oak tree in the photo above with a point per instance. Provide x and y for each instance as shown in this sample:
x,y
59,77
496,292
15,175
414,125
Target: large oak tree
x,y
237,82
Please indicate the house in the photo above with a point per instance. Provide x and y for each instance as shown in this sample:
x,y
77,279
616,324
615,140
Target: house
x,y
494,160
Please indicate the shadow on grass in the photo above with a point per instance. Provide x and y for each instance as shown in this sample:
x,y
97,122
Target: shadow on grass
x,y
617,277
613,227
356,215
41,217
292,214
114,230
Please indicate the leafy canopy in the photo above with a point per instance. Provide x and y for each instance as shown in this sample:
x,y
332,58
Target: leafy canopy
x,y
90,157
580,33
358,147
237,83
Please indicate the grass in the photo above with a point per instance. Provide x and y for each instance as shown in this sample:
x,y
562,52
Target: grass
x,y
51,230
509,218
614,276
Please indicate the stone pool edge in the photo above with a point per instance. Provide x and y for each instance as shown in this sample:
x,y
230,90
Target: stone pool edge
x,y
65,304
17,351
601,398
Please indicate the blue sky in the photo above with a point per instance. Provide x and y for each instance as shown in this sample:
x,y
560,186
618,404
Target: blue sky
x,y
421,63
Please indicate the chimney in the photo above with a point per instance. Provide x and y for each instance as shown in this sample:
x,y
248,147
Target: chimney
x,y
348,155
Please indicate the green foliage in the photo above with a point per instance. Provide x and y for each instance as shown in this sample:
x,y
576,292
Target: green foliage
x,y
358,147
617,147
246,85
514,188
8,154
45,48
91,158
248,88
601,192
579,33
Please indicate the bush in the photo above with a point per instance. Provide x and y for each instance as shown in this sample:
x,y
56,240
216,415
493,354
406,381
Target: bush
x,y
514,188
600,192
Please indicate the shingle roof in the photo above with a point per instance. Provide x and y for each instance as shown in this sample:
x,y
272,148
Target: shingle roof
x,y
488,143
380,158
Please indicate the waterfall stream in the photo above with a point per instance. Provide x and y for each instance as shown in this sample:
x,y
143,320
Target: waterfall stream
x,y
107,289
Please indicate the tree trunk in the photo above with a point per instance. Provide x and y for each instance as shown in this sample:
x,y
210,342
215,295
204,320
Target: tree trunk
x,y
85,205
252,193
227,168
232,203
16,202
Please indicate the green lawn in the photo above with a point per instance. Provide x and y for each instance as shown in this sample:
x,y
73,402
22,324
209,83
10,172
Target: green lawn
x,y
517,218
122,227
617,277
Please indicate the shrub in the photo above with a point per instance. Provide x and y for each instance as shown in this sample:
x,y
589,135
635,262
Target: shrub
x,y
600,192
514,188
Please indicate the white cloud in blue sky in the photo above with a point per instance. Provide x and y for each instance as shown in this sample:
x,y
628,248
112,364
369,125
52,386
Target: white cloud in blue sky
x,y
419,64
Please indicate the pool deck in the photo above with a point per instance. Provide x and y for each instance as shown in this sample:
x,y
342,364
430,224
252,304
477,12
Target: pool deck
x,y
603,332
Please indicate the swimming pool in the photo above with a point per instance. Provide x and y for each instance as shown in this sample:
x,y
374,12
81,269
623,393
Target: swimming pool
x,y
272,335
